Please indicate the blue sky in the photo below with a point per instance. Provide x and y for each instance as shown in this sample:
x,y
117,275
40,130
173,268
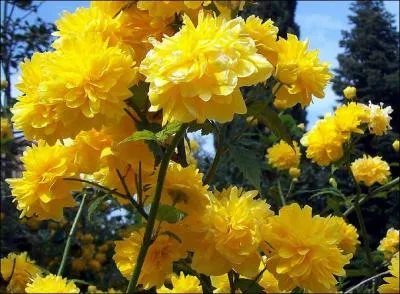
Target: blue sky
x,y
320,21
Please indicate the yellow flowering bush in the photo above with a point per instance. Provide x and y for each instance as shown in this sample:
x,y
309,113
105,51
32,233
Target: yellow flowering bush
x,y
115,174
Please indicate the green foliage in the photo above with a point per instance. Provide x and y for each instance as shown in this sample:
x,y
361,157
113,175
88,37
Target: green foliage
x,y
159,136
248,163
169,214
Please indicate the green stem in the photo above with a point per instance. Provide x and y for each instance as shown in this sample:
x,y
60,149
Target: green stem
x,y
213,168
366,281
70,235
290,189
361,222
147,238
231,281
280,192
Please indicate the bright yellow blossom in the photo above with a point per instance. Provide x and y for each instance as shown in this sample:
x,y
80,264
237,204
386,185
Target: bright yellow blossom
x,y
348,236
294,172
349,118
158,262
301,72
167,9
268,280
42,191
229,233
324,142
370,170
396,145
202,70
392,285
221,284
350,92
16,269
308,257
379,119
119,22
51,284
184,188
80,86
5,129
283,156
265,36
390,244
182,284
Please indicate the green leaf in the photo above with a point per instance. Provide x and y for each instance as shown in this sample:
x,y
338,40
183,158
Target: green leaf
x,y
248,286
140,135
248,163
140,96
170,129
94,205
357,272
169,213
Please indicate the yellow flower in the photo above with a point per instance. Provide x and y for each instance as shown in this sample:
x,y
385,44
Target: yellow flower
x,y
229,233
379,119
42,191
78,265
16,269
392,285
301,71
283,156
324,142
226,7
268,280
350,92
202,69
390,244
119,22
182,284
103,248
87,238
80,86
158,262
349,117
294,172
94,265
307,256
101,257
265,36
166,9
221,284
6,131
183,186
396,145
370,170
51,284
348,236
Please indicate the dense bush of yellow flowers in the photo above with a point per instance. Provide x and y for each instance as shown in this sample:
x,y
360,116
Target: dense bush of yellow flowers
x,y
109,109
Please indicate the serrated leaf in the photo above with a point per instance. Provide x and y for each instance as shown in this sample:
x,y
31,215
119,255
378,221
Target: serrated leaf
x,y
94,205
140,135
169,213
248,286
248,163
271,119
170,129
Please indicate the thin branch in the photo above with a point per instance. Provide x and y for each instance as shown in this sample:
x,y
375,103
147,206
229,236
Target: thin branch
x,y
366,281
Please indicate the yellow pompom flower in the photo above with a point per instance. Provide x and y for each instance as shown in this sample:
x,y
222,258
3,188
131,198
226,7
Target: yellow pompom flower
x,y
78,265
268,280
202,70
182,284
324,142
350,92
42,191
158,262
16,269
294,172
370,170
265,36
221,284
392,285
349,118
308,256
396,145
348,236
119,22
390,244
101,257
283,156
183,187
301,72
94,265
229,233
51,284
379,119
80,86
167,9
5,129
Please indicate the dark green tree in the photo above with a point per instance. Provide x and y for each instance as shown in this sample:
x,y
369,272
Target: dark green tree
x,y
370,60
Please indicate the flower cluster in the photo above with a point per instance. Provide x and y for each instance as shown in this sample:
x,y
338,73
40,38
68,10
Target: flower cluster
x,y
282,156
370,170
390,244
